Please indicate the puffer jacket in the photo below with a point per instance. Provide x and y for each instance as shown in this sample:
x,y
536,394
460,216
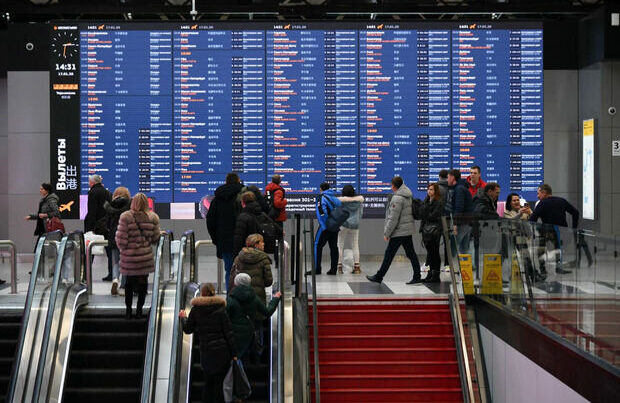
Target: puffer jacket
x,y
246,225
326,202
114,209
355,206
484,207
279,201
459,201
242,306
135,233
257,265
49,206
398,216
222,216
208,318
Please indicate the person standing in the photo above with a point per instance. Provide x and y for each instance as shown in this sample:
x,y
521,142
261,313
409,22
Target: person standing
x,y
276,197
221,220
95,219
121,202
137,229
253,261
349,233
208,318
475,181
430,228
459,206
326,202
552,210
485,204
246,223
398,231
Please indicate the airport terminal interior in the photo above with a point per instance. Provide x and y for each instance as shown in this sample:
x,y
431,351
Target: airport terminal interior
x,y
205,201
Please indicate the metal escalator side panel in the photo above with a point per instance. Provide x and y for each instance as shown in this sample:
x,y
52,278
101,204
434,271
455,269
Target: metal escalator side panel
x,y
163,341
184,384
75,297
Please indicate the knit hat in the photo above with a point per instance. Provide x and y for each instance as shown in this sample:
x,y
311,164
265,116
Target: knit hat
x,y
243,279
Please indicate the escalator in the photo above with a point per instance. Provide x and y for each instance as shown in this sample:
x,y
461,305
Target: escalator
x,y
107,357
10,323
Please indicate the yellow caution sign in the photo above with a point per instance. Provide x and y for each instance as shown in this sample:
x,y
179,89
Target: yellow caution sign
x,y
516,284
467,274
492,274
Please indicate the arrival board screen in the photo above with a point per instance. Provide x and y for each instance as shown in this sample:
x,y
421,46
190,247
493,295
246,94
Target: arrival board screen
x,y
168,109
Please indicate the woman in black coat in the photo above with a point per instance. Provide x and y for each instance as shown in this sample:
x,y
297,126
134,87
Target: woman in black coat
x,y
48,208
208,318
431,212
246,222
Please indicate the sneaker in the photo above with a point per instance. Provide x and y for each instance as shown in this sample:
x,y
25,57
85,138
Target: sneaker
x,y
339,268
121,292
114,290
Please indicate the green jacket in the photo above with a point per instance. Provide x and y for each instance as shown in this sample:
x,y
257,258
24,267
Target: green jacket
x,y
257,264
242,307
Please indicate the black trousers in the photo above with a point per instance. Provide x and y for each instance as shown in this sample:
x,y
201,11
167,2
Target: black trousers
x,y
396,242
326,237
433,257
213,391
135,284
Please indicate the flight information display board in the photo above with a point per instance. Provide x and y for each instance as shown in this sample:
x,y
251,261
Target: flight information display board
x,y
168,108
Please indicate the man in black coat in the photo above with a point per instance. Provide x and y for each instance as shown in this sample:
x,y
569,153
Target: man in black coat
x,y
485,204
221,220
246,222
96,216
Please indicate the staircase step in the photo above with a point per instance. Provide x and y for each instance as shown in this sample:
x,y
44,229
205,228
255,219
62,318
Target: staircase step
x,y
381,315
374,368
390,340
385,328
352,381
410,355
382,395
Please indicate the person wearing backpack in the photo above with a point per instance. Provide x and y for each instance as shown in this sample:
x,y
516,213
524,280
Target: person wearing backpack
x,y
246,223
354,204
326,204
276,200
260,199
398,230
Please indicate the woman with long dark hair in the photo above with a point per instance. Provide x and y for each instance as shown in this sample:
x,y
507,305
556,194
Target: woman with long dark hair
x,y
430,228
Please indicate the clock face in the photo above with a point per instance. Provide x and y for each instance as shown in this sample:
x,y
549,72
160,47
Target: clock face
x,y
65,44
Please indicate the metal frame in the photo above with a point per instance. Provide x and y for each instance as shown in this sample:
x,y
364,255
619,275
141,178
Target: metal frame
x,y
89,268
11,245
220,263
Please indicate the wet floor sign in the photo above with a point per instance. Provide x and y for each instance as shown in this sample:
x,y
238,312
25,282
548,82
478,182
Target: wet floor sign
x,y
492,274
467,274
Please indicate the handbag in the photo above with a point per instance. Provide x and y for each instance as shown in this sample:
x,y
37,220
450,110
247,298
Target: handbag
x,y
54,224
236,385
430,231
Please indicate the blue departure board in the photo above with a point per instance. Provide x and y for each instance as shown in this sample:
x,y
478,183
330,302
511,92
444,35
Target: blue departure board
x,y
169,109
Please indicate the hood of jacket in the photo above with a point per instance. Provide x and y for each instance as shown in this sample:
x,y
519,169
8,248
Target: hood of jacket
x,y
228,191
272,186
404,191
208,301
252,255
252,208
330,193
119,204
243,293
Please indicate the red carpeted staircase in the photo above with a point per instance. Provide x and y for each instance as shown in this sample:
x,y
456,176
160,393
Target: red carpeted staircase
x,y
386,350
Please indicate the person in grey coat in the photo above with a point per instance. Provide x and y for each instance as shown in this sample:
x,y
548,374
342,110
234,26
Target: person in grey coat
x,y
349,233
398,230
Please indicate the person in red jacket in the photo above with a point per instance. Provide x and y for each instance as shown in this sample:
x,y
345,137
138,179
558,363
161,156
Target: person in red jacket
x,y
277,201
475,181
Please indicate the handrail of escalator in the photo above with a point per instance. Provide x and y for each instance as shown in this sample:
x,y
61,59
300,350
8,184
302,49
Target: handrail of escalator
x,y
11,245
28,307
461,346
53,296
187,240
87,274
149,353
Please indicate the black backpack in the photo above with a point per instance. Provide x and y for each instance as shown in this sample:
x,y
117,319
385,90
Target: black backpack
x,y
416,208
274,212
270,231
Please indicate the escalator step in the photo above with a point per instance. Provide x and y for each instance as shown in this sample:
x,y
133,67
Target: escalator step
x,y
7,348
103,324
107,359
94,378
108,341
9,330
102,395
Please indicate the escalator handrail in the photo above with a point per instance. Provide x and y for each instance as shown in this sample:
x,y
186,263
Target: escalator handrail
x,y
188,239
53,296
461,346
149,353
27,309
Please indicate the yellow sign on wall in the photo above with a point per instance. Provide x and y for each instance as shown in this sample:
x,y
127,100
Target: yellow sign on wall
x,y
588,127
492,274
467,274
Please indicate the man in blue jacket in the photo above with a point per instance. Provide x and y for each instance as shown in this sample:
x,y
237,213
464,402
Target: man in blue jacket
x,y
326,202
458,206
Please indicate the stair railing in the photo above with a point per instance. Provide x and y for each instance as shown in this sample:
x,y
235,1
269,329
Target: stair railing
x,y
165,238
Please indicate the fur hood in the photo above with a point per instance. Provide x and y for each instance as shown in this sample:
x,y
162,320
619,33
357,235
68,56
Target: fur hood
x,y
208,301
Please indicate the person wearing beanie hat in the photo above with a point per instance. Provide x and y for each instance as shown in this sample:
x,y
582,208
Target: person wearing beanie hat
x,y
242,306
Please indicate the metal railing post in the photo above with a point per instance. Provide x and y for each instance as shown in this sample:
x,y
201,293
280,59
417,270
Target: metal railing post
x,y
89,263
11,246
220,264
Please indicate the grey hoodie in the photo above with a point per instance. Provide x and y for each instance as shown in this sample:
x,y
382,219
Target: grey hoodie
x,y
398,216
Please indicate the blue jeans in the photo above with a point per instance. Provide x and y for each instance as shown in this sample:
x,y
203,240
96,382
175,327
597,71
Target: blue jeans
x,y
228,262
